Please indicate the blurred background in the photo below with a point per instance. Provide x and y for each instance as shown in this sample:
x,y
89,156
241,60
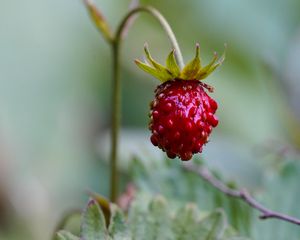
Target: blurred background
x,y
55,73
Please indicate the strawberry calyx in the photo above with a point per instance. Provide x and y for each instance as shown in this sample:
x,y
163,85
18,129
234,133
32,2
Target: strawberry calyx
x,y
191,71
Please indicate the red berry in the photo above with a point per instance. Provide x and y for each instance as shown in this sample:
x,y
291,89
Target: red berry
x,y
182,118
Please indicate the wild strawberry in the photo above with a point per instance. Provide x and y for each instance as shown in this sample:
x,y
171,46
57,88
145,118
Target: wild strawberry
x,y
182,113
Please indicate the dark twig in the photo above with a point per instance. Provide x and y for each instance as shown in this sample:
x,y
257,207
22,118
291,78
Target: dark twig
x,y
242,194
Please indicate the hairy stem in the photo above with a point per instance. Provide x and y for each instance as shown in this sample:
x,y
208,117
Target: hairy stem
x,y
242,194
116,95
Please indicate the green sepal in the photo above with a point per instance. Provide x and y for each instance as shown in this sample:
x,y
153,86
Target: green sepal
x,y
165,73
148,69
192,68
191,71
172,65
209,68
158,70
203,71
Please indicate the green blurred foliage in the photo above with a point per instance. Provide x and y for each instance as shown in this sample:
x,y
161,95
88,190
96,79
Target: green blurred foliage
x,y
152,218
279,191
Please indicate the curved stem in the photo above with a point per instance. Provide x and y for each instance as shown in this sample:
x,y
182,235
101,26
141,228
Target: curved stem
x,y
116,95
163,22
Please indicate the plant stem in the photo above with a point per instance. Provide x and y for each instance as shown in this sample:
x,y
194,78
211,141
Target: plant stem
x,y
116,95
116,119
163,22
242,194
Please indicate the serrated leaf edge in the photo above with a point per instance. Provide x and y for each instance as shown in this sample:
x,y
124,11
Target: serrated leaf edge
x,y
84,221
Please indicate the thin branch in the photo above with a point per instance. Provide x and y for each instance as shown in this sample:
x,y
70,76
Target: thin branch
x,y
162,21
242,194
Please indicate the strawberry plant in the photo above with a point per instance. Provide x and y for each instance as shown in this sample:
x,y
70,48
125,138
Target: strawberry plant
x,y
182,117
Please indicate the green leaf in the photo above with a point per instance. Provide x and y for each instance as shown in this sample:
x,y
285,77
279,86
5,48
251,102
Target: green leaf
x,y
151,219
118,229
162,177
99,20
103,203
158,221
64,235
172,65
281,193
186,223
93,225
213,226
190,71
